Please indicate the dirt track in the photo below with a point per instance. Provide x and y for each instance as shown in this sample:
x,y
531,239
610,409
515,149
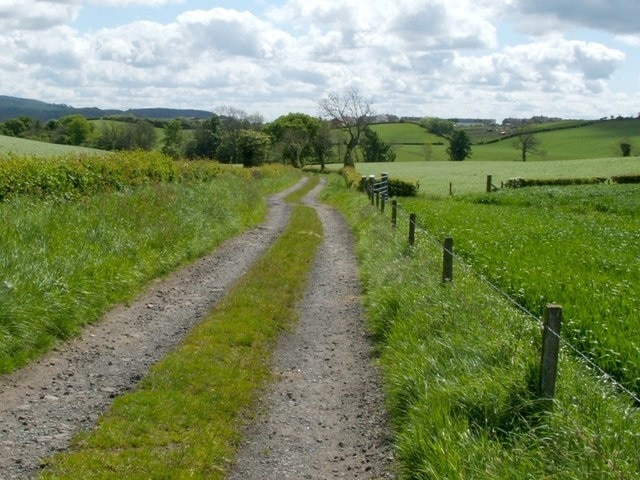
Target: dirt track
x,y
323,419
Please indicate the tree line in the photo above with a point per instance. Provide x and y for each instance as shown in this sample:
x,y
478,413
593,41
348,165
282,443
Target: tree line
x,y
341,132
230,136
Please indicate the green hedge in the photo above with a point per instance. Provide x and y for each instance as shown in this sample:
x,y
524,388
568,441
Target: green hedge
x,y
78,176
538,182
626,179
403,188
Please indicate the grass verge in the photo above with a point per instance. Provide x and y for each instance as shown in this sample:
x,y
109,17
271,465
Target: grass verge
x,y
460,367
183,421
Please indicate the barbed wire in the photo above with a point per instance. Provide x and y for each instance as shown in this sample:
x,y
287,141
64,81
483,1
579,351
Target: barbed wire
x,y
469,268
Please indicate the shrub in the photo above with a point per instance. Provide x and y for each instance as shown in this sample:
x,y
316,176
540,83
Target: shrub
x,y
520,182
403,188
351,177
626,179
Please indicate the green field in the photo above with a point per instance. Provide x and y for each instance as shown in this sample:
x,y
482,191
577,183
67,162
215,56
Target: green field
x,y
524,238
471,176
404,133
577,246
599,139
82,233
21,146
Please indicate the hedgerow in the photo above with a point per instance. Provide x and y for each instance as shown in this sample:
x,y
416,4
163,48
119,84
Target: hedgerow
x,y
82,175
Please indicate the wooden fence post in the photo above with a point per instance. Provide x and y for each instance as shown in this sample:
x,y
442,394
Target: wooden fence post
x,y
382,202
550,349
394,213
489,183
447,260
370,181
412,228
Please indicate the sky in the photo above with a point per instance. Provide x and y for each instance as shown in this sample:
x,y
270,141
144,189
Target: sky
x,y
441,58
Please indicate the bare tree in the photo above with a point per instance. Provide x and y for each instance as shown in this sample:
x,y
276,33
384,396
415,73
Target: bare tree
x,y
352,112
527,142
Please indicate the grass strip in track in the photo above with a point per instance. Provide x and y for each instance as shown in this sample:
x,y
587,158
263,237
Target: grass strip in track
x,y
183,421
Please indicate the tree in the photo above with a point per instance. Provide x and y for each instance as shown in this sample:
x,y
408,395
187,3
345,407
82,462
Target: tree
x,y
206,139
139,134
527,142
350,111
253,147
172,142
14,127
75,129
438,126
625,147
232,121
459,146
323,143
374,149
293,136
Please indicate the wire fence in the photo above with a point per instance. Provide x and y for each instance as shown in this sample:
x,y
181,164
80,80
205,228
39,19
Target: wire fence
x,y
448,251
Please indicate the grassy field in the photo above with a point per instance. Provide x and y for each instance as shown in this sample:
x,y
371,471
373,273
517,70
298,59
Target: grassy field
x,y
404,133
470,176
588,140
21,146
460,363
576,246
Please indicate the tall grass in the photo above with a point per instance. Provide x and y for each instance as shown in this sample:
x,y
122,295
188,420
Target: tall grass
x,y
460,367
62,263
577,246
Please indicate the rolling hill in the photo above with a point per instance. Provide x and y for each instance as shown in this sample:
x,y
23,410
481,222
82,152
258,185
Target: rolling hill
x,y
568,141
22,146
12,107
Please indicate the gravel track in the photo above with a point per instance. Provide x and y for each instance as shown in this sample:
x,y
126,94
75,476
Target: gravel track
x,y
323,419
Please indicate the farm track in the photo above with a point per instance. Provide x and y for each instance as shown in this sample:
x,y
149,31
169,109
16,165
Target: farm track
x,y
323,419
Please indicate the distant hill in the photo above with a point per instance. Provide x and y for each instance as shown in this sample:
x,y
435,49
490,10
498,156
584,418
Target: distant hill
x,y
12,107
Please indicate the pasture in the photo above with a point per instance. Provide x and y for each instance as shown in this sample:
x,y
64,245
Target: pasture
x,y
470,176
21,146
570,140
576,246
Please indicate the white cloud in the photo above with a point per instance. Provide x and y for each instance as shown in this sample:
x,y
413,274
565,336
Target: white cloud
x,y
413,57
35,15
232,32
617,16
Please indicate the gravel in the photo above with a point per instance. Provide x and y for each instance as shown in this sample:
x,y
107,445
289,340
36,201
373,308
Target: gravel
x,y
323,418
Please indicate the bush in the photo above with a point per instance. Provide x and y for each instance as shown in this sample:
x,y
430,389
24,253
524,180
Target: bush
x,y
626,179
520,182
403,188
351,177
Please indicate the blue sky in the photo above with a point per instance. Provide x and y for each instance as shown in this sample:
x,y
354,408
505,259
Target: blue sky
x,y
463,58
